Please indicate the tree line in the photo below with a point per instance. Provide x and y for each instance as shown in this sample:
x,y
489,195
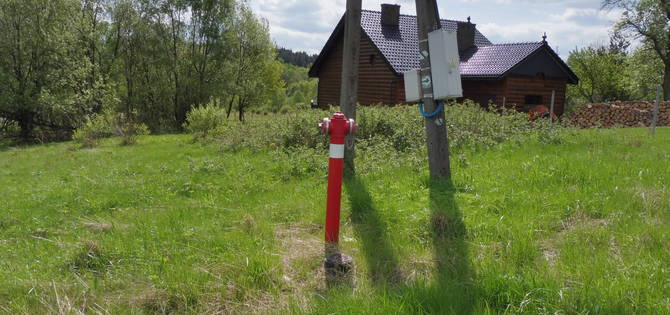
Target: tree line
x,y
615,71
63,61
296,58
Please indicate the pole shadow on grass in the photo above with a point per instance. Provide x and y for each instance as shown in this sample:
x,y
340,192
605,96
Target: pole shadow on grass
x,y
371,229
453,290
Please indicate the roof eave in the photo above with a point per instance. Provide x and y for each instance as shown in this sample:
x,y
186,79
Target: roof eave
x,y
572,77
332,42
480,77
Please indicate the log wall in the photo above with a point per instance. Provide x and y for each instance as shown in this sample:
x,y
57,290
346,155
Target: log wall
x,y
517,88
377,83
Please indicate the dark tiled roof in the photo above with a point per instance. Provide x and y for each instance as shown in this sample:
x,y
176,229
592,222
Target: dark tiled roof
x,y
400,48
400,45
495,60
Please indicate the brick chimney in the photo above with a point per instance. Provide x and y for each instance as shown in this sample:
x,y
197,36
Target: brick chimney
x,y
466,35
391,15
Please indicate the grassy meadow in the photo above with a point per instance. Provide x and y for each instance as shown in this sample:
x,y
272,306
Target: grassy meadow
x,y
169,225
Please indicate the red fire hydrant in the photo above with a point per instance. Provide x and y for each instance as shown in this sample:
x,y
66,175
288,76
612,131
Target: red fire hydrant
x,y
338,127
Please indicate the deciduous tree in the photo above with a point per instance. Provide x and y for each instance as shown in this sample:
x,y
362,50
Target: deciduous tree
x,y
648,20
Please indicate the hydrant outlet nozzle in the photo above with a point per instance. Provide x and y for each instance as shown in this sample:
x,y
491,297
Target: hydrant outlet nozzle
x,y
325,126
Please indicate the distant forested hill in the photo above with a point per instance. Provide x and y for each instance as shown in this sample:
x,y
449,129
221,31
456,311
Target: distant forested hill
x,y
299,58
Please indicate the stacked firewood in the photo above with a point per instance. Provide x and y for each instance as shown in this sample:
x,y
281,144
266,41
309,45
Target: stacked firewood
x,y
620,114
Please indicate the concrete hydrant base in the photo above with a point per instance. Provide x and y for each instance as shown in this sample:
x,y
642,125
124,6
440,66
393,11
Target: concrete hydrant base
x,y
339,269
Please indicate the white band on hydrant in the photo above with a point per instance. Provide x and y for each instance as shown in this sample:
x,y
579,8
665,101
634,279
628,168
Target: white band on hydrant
x,y
336,151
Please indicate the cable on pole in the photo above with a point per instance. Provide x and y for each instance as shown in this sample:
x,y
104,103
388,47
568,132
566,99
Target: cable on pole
x,y
429,115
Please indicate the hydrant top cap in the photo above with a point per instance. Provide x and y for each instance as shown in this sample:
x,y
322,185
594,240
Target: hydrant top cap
x,y
339,116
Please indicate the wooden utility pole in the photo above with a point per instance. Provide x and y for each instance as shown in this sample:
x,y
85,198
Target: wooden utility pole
x,y
654,119
349,86
428,20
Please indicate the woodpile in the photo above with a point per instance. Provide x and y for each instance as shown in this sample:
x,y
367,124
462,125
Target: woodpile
x,y
620,114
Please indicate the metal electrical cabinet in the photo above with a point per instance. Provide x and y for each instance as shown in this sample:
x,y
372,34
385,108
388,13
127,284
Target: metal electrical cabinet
x,y
445,67
445,64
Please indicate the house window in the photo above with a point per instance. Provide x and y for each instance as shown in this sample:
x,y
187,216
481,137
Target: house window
x,y
533,100
372,59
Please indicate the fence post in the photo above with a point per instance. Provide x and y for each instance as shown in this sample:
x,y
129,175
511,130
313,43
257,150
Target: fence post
x,y
551,111
654,119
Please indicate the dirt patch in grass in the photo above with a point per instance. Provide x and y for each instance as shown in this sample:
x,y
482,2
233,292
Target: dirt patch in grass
x,y
61,298
259,303
418,267
577,221
581,219
653,198
615,250
550,254
98,227
163,302
493,249
302,253
248,223
302,258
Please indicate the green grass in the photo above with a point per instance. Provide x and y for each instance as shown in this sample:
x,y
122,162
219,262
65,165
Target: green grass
x,y
169,226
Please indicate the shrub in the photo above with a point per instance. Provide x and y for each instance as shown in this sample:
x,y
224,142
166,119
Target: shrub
x,y
95,128
287,132
550,133
8,129
128,129
201,121
470,127
108,124
299,131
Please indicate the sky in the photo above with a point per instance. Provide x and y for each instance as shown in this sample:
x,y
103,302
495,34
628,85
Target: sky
x,y
305,25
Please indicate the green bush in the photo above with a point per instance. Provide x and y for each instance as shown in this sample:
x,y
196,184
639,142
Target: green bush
x,y
8,129
128,129
469,127
201,121
108,124
94,129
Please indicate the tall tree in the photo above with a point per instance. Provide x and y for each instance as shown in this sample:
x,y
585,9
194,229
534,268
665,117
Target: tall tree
x,y
644,73
255,74
648,20
600,69
64,60
47,79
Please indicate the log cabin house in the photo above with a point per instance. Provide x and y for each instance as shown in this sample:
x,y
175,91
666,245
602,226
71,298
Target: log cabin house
x,y
520,75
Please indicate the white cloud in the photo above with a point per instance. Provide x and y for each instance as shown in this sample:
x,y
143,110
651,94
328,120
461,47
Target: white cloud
x,y
566,30
307,24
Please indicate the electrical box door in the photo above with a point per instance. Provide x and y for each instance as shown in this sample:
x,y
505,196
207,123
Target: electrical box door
x,y
412,86
445,65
